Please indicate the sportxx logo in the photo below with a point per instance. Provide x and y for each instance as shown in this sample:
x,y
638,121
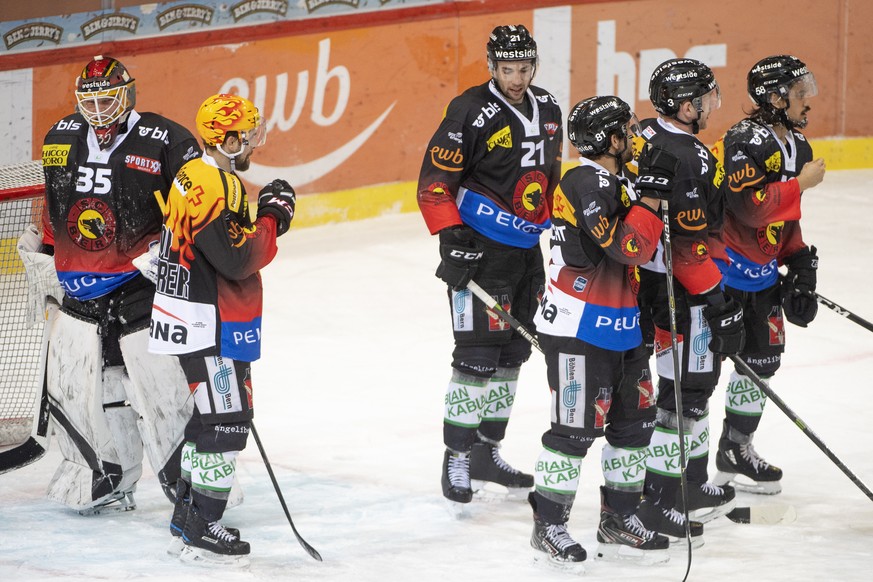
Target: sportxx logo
x,y
456,158
143,164
336,82
743,178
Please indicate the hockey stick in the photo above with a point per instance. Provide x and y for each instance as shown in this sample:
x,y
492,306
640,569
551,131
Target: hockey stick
x,y
492,304
309,549
763,387
839,310
677,375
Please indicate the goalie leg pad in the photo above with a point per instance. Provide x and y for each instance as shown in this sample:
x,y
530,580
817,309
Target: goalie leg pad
x,y
102,454
157,389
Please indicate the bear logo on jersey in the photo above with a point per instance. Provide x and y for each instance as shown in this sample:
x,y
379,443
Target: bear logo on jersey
x,y
528,200
91,224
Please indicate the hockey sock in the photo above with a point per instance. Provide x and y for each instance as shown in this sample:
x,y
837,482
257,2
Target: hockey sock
x,y
211,480
463,410
663,467
188,451
698,454
744,403
557,477
497,403
624,469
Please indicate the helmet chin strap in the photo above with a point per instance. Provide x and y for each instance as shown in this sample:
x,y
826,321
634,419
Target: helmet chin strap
x,y
789,123
232,157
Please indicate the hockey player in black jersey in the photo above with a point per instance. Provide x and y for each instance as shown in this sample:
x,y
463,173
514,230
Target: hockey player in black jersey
x,y
684,92
598,367
485,188
111,399
768,164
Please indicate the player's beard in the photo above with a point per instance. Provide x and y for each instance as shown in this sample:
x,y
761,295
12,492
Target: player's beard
x,y
243,162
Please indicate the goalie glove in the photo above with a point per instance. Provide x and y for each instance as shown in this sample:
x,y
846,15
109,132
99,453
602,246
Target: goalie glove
x,y
147,263
42,278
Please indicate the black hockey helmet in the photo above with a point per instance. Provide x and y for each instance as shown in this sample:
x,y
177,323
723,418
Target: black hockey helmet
x,y
777,74
105,96
592,121
511,43
677,80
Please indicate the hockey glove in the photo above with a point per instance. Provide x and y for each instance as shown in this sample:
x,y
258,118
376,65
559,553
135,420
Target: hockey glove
x,y
278,200
147,263
798,287
42,278
657,168
725,318
460,254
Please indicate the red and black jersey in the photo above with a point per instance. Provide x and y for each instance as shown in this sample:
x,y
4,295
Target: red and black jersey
x,y
762,202
600,235
491,167
101,211
696,208
209,299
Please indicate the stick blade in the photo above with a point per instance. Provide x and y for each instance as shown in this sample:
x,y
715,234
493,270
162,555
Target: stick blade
x,y
773,514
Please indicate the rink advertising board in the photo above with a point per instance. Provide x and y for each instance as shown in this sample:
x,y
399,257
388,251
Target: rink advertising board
x,y
350,111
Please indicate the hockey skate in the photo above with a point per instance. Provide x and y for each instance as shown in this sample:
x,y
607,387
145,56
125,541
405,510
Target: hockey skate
x,y
740,465
553,545
212,543
707,501
456,482
181,508
118,502
669,522
487,467
625,538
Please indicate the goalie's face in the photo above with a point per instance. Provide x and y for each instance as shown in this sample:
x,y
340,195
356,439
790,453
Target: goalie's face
x,y
105,110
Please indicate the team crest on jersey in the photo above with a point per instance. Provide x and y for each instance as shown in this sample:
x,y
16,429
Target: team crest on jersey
x,y
438,188
774,162
501,138
633,278
759,197
91,224
699,249
629,246
551,127
770,238
718,178
528,200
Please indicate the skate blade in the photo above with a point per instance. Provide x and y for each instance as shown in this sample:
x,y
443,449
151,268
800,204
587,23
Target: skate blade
x,y
627,554
545,561
707,514
119,505
488,492
679,545
176,546
746,485
457,510
201,557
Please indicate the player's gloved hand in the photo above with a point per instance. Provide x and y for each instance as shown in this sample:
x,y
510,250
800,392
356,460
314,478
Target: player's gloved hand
x,y
798,287
147,263
657,168
278,200
725,318
42,278
460,254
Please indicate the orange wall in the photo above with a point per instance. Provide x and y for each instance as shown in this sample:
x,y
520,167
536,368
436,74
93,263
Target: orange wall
x,y
414,67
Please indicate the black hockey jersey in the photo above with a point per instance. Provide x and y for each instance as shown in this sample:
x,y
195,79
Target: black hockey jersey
x,y
695,210
600,234
101,211
491,168
762,202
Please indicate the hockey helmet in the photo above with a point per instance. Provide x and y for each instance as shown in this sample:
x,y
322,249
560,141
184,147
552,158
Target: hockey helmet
x,y
511,43
224,113
778,75
105,96
592,121
677,80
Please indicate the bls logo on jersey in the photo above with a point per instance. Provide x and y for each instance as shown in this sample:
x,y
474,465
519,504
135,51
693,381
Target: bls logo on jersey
x,y
156,133
489,110
64,125
55,154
